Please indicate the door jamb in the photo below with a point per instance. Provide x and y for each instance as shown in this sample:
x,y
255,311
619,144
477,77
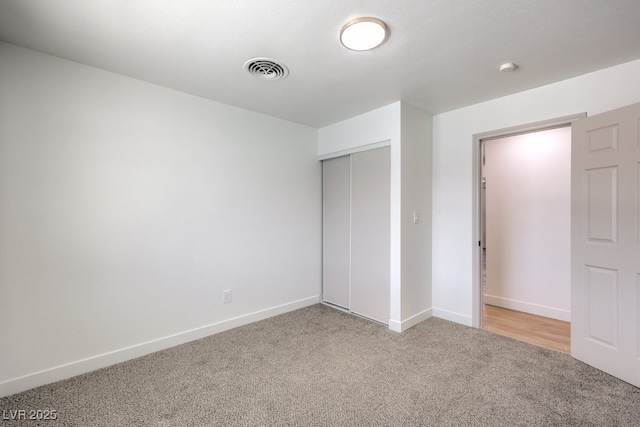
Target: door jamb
x,y
476,190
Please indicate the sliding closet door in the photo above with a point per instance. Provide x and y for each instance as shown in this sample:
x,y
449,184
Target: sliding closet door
x,y
336,217
370,233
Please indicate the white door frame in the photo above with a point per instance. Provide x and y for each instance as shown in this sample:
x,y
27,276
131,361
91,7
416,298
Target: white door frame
x,y
476,172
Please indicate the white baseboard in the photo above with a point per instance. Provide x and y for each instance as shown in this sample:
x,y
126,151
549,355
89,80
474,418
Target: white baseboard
x,y
402,326
68,370
527,307
452,316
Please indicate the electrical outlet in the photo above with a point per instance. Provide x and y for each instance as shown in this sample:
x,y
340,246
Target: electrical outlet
x,y
226,297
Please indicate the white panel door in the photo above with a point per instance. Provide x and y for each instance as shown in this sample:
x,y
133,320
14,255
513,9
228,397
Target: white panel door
x,y
605,242
370,233
336,233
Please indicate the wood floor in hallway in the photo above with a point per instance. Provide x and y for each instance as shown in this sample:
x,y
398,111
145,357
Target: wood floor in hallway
x,y
537,330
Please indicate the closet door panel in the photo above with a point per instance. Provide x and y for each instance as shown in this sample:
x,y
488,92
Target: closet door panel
x,y
335,230
370,233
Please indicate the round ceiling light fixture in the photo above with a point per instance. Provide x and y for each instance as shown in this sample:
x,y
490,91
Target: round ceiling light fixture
x,y
363,33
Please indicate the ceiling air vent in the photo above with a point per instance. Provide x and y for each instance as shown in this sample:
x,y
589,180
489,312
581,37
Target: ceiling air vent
x,y
266,69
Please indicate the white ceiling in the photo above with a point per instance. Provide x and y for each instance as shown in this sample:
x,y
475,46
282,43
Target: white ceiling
x,y
440,55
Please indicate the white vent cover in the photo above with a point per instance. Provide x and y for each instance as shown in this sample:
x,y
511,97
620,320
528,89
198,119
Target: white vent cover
x,y
266,69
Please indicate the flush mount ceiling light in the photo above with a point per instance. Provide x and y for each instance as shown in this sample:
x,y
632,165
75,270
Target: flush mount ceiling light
x,y
266,69
363,33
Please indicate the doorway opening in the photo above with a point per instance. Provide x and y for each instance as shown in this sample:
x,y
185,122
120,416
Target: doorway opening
x,y
522,205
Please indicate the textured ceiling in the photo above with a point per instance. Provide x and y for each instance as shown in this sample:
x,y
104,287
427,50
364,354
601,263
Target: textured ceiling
x,y
440,55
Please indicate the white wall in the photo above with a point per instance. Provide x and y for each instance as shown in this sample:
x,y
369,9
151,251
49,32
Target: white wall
x,y
378,126
407,130
127,208
528,220
416,137
453,167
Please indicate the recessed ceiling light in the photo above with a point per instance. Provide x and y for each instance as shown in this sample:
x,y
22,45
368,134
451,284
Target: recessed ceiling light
x,y
507,67
363,33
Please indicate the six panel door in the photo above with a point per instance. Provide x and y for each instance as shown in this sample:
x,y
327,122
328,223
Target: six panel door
x,y
605,246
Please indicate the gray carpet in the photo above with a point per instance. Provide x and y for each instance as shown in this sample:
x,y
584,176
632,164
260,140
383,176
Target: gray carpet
x,y
320,367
